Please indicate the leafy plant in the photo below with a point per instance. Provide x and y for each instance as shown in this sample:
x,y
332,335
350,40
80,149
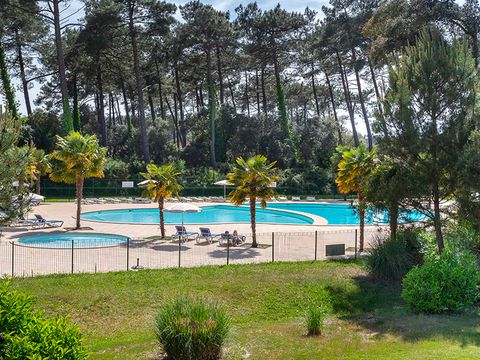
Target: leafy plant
x,y
192,330
442,284
314,319
27,334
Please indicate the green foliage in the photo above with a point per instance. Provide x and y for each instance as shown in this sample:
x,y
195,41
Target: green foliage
x,y
67,118
28,334
463,236
314,319
444,283
8,89
191,329
116,169
393,258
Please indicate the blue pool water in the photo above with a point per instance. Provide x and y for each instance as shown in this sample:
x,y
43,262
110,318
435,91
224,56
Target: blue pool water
x,y
340,214
64,240
208,215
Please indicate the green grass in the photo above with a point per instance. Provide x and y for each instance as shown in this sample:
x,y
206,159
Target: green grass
x,y
266,303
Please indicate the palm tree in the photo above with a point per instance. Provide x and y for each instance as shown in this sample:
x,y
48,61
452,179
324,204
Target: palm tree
x,y
253,179
75,159
354,169
162,184
38,165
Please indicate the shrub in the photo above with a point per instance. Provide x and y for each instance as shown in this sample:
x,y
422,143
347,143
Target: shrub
x,y
393,258
314,319
442,284
463,236
27,334
192,330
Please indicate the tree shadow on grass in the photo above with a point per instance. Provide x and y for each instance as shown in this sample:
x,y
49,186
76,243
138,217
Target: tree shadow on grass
x,y
377,307
235,253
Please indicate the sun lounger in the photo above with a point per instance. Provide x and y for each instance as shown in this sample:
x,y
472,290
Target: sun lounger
x,y
311,198
282,198
206,234
41,221
184,235
295,198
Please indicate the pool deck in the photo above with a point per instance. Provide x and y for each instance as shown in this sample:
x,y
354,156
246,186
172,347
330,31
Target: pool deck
x,y
293,242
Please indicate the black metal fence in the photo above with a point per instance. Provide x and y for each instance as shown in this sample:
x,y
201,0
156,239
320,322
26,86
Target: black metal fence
x,y
113,187
17,259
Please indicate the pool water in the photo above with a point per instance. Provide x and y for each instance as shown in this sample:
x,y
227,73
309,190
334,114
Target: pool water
x,y
209,215
80,240
341,214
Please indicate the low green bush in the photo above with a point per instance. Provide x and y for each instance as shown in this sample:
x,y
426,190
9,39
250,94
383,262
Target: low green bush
x,y
442,284
28,334
393,258
192,330
314,319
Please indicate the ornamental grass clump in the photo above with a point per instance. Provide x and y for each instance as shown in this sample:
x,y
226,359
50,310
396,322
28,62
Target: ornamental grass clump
x,y
191,329
314,320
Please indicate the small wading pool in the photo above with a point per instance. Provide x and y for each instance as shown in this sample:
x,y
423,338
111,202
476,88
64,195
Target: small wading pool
x,y
209,215
80,240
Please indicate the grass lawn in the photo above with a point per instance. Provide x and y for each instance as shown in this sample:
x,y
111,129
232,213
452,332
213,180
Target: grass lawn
x,y
266,302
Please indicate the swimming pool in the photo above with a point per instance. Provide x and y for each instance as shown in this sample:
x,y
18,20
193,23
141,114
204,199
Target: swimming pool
x,y
342,214
80,240
209,215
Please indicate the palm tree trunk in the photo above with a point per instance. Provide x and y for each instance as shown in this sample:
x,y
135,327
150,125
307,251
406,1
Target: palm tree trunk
x,y
361,211
79,186
161,202
253,221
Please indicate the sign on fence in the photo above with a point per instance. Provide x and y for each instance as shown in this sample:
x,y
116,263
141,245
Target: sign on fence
x,y
127,184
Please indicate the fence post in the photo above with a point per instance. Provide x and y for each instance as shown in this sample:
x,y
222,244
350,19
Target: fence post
x,y
73,245
273,246
316,244
228,251
356,239
13,259
128,253
179,250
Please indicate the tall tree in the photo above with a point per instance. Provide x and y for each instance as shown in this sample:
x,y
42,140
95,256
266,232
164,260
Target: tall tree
x,y
427,123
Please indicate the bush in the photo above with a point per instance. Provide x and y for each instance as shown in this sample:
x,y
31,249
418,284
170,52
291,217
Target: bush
x,y
442,284
192,330
463,236
27,334
393,258
314,319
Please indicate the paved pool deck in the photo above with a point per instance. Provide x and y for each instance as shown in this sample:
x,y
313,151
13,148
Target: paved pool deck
x,y
291,243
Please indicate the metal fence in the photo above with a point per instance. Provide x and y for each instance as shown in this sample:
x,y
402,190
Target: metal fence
x,y
20,260
113,187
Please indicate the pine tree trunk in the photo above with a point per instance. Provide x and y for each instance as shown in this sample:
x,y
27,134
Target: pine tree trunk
x,y
314,89
247,100
348,102
38,185
393,219
282,107
362,101
160,91
125,103
60,54
79,189
23,77
437,221
101,106
138,83
375,87
334,108
161,202
150,100
264,95
211,110
253,221
257,91
220,76
232,95
181,123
